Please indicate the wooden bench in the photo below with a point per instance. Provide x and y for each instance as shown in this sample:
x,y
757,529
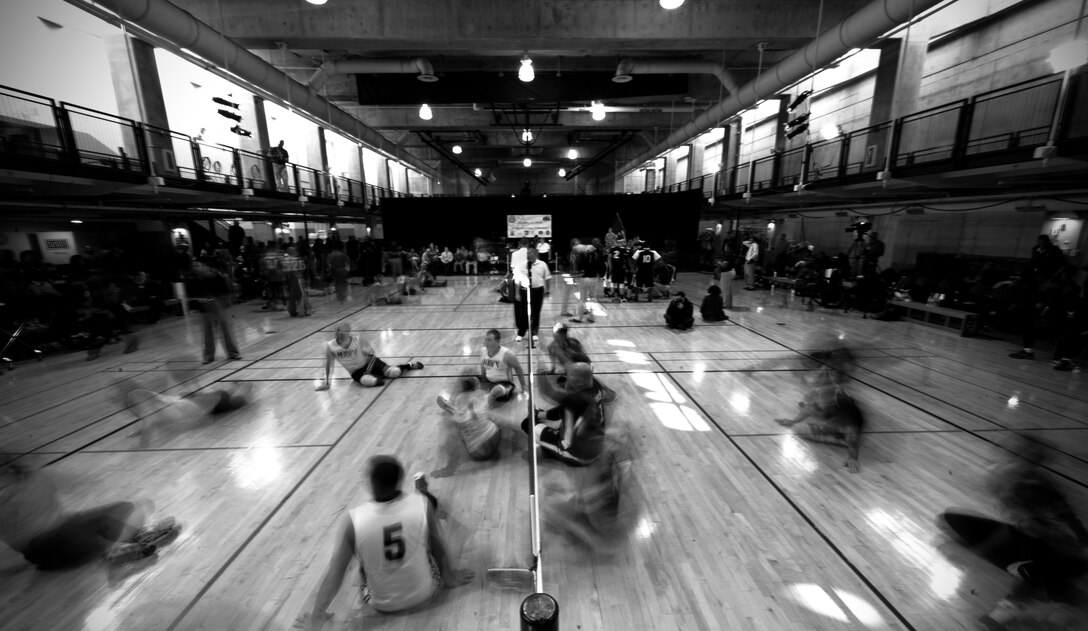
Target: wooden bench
x,y
963,321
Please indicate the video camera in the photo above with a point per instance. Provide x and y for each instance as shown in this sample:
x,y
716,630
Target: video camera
x,y
859,228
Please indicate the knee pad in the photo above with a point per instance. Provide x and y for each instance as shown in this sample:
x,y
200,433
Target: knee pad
x,y
392,372
369,381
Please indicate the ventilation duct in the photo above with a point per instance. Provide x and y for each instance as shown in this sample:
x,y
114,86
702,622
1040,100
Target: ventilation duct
x,y
629,67
856,31
374,66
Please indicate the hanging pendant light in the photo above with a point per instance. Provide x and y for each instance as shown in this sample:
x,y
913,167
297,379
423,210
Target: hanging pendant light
x,y
527,137
562,172
527,162
572,154
457,149
597,110
671,4
525,73
425,112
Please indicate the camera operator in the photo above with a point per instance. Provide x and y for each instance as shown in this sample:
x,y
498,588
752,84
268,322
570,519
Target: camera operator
x,y
872,249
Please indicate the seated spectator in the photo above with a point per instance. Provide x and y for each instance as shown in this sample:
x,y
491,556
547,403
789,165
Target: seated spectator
x,y
713,308
678,315
148,293
664,275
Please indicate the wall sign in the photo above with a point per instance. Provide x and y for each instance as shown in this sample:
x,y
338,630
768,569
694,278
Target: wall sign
x,y
528,226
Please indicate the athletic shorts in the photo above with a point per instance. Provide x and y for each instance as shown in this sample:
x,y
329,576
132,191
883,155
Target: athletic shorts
x,y
375,367
620,277
488,385
644,280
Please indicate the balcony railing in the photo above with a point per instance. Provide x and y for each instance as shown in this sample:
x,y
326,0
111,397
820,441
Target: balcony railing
x,y
995,127
36,132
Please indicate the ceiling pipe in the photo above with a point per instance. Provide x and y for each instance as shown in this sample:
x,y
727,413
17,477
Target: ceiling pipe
x,y
856,31
629,67
374,66
180,28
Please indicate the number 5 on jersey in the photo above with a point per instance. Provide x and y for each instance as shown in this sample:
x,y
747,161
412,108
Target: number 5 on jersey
x,y
393,541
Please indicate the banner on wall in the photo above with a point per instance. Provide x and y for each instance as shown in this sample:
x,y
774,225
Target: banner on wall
x,y
528,226
57,247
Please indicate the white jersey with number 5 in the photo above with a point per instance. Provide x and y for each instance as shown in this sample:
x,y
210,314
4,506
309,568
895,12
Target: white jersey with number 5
x,y
392,545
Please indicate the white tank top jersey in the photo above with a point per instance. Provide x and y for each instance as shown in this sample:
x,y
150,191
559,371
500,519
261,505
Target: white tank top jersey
x,y
352,358
391,544
495,368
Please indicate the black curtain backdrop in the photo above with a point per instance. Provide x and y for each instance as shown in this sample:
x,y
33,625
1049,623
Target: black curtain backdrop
x,y
455,221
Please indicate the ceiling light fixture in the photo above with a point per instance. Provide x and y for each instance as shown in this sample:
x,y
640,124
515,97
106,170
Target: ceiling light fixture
x,y
77,221
425,112
572,154
525,73
478,173
597,109
527,162
562,172
527,136
457,149
321,2
671,4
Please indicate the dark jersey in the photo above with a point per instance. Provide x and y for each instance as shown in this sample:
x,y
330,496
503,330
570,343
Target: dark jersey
x,y
644,262
618,257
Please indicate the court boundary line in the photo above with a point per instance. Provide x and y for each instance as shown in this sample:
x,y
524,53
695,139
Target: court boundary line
x,y
797,509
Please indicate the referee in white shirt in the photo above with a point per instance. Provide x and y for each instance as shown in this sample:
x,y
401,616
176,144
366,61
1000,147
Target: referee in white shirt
x,y
535,276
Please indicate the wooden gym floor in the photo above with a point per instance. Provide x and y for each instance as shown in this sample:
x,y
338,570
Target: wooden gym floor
x,y
742,526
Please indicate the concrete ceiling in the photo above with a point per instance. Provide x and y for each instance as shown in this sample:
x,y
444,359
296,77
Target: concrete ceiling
x,y
474,47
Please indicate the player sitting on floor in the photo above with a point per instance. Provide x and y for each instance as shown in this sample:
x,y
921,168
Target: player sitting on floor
x,y
396,540
163,416
470,410
601,509
563,348
34,524
578,438
835,417
357,356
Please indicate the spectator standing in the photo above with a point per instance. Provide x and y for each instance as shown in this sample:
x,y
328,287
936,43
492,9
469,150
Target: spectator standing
x,y
1046,258
236,235
751,259
339,267
209,286
279,157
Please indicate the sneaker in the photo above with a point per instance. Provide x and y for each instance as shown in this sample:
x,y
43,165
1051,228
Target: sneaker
x,y
378,382
518,339
445,404
159,535
236,358
1020,569
121,553
415,365
207,361
1022,355
131,345
1065,365
536,338
591,319
421,483
578,320
566,314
